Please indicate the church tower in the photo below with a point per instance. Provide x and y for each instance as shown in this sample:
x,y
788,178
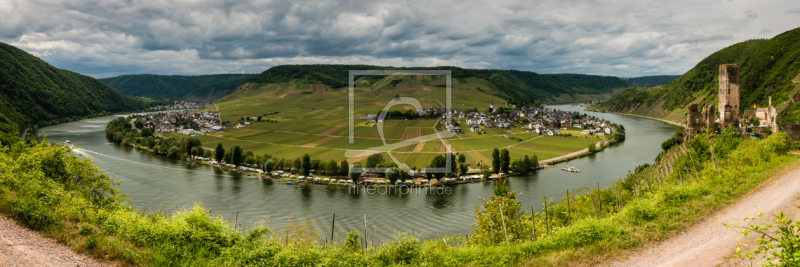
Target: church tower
x,y
728,95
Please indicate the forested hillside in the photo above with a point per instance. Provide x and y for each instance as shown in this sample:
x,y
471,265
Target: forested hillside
x,y
517,87
33,92
192,88
767,68
651,80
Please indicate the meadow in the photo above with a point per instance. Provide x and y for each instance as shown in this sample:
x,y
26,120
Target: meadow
x,y
313,119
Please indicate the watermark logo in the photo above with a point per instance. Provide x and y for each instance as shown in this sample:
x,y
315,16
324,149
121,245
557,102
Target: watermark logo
x,y
380,119
400,190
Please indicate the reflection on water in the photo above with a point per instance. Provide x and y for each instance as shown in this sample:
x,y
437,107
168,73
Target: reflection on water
x,y
153,180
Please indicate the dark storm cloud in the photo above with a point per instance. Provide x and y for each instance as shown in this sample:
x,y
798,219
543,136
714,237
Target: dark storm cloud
x,y
625,38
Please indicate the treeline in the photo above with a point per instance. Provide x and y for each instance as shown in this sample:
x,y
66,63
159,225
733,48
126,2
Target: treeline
x,y
517,87
193,88
646,81
34,93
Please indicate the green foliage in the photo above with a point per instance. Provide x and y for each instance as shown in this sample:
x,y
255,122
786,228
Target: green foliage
x,y
374,159
219,152
496,163
193,88
530,87
505,160
305,167
392,174
646,81
779,244
34,93
355,172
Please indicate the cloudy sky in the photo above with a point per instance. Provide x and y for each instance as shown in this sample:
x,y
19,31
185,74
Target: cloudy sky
x,y
621,38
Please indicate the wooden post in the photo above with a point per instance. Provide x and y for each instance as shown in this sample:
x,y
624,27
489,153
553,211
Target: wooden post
x,y
599,197
533,223
503,219
235,222
365,232
569,212
546,223
593,205
333,225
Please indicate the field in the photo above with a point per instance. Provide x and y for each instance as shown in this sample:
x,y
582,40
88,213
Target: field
x,y
313,119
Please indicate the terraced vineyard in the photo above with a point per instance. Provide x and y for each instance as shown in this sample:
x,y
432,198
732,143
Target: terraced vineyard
x,y
313,119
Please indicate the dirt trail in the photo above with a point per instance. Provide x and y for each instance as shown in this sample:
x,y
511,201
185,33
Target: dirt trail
x,y
709,243
20,246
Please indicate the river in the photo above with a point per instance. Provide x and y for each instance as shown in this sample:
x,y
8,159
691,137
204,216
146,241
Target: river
x,y
154,181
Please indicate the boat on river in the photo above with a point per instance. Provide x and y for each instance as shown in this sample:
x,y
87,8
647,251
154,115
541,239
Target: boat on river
x,y
68,143
571,169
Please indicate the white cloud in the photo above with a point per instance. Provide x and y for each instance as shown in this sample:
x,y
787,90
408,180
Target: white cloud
x,y
621,37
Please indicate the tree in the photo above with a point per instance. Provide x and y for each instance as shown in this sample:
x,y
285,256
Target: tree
x,y
174,152
505,160
392,174
305,167
147,132
281,164
208,154
193,152
297,164
219,152
344,168
355,172
462,158
754,121
269,166
250,160
592,149
534,161
238,157
374,159
404,176
438,162
495,160
332,168
463,168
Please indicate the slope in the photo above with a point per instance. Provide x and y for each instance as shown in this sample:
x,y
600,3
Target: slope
x,y
33,92
193,88
645,81
767,68
517,87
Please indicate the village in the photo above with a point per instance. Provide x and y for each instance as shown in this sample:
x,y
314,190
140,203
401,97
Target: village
x,y
191,124
182,105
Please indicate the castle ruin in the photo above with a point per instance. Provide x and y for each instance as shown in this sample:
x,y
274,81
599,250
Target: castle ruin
x,y
698,119
729,95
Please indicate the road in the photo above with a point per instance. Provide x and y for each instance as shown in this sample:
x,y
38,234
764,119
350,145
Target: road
x,y
709,243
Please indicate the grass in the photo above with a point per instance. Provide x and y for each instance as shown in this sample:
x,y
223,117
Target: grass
x,y
38,188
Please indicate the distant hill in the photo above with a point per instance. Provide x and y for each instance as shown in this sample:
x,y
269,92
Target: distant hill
x,y
202,88
517,87
646,81
767,67
33,92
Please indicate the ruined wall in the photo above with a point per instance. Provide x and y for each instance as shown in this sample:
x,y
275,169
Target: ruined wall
x,y
728,95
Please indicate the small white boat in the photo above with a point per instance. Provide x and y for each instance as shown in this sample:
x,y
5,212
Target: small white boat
x,y
69,143
571,169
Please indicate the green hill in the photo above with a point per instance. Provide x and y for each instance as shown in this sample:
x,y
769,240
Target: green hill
x,y
645,81
517,87
192,88
767,68
33,92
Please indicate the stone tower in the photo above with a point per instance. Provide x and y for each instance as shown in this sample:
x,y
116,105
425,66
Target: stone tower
x,y
728,95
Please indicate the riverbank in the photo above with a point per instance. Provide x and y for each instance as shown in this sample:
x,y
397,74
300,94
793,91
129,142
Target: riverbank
x,y
604,220
642,116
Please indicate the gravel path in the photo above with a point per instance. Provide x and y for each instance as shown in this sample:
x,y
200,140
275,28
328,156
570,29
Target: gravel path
x,y
20,246
709,243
